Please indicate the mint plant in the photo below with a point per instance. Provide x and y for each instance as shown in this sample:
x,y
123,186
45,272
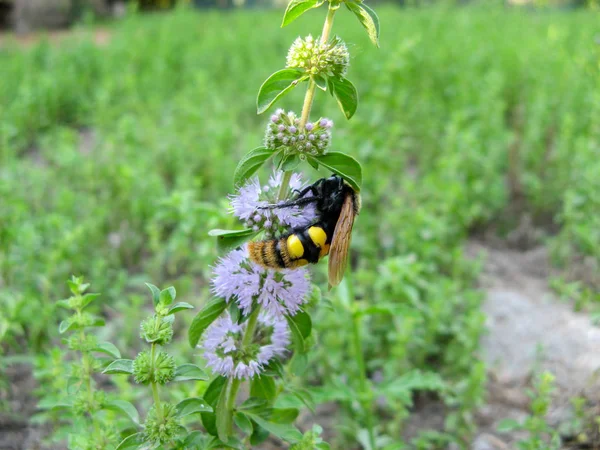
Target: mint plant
x,y
245,330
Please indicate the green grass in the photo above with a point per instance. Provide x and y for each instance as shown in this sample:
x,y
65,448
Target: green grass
x,y
170,103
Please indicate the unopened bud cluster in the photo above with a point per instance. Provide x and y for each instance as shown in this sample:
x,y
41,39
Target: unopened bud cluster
x,y
162,428
161,371
329,58
283,132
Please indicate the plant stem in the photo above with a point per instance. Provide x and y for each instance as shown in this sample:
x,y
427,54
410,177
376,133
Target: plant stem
x,y
308,102
155,385
363,382
235,383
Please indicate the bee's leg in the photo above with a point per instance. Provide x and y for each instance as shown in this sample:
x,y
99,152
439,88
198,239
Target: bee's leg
x,y
298,202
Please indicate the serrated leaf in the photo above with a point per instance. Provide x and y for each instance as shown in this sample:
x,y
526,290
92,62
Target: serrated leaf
x,y
167,296
263,387
243,423
187,372
276,86
367,18
120,366
250,163
133,441
343,165
204,318
125,407
179,306
155,293
192,405
296,8
297,337
227,239
108,348
345,94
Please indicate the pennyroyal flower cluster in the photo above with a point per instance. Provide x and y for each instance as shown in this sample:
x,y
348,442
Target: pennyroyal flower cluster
x,y
237,279
283,132
317,58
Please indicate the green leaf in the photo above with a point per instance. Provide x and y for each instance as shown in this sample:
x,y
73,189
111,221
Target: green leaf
x,y
49,403
120,366
204,318
187,372
155,293
274,369
87,299
367,18
125,407
167,296
297,337
284,415
304,323
255,405
192,406
179,306
250,163
286,432
235,312
263,387
276,86
343,165
301,394
211,396
289,163
345,94
320,81
64,326
224,417
259,435
507,425
227,239
133,441
296,8
108,348
243,423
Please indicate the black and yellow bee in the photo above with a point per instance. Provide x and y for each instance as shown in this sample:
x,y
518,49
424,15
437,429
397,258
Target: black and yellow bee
x,y
337,204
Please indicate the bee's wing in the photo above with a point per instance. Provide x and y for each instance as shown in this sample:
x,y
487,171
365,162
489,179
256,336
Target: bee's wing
x,y
340,243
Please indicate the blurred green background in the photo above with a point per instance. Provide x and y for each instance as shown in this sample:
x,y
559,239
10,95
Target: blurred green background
x,y
118,145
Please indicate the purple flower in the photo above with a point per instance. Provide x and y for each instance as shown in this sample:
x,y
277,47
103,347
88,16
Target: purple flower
x,y
251,201
278,292
309,126
225,354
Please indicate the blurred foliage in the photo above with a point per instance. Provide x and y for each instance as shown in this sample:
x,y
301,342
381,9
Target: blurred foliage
x,y
113,161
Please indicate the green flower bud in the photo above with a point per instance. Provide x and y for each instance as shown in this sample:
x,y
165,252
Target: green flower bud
x,y
162,371
157,329
162,430
331,58
82,344
283,132
142,368
164,368
82,403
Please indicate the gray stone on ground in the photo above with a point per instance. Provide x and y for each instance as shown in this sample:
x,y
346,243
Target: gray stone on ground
x,y
530,330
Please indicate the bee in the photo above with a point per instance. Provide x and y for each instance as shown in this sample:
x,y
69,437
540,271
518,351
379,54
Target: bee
x,y
337,204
